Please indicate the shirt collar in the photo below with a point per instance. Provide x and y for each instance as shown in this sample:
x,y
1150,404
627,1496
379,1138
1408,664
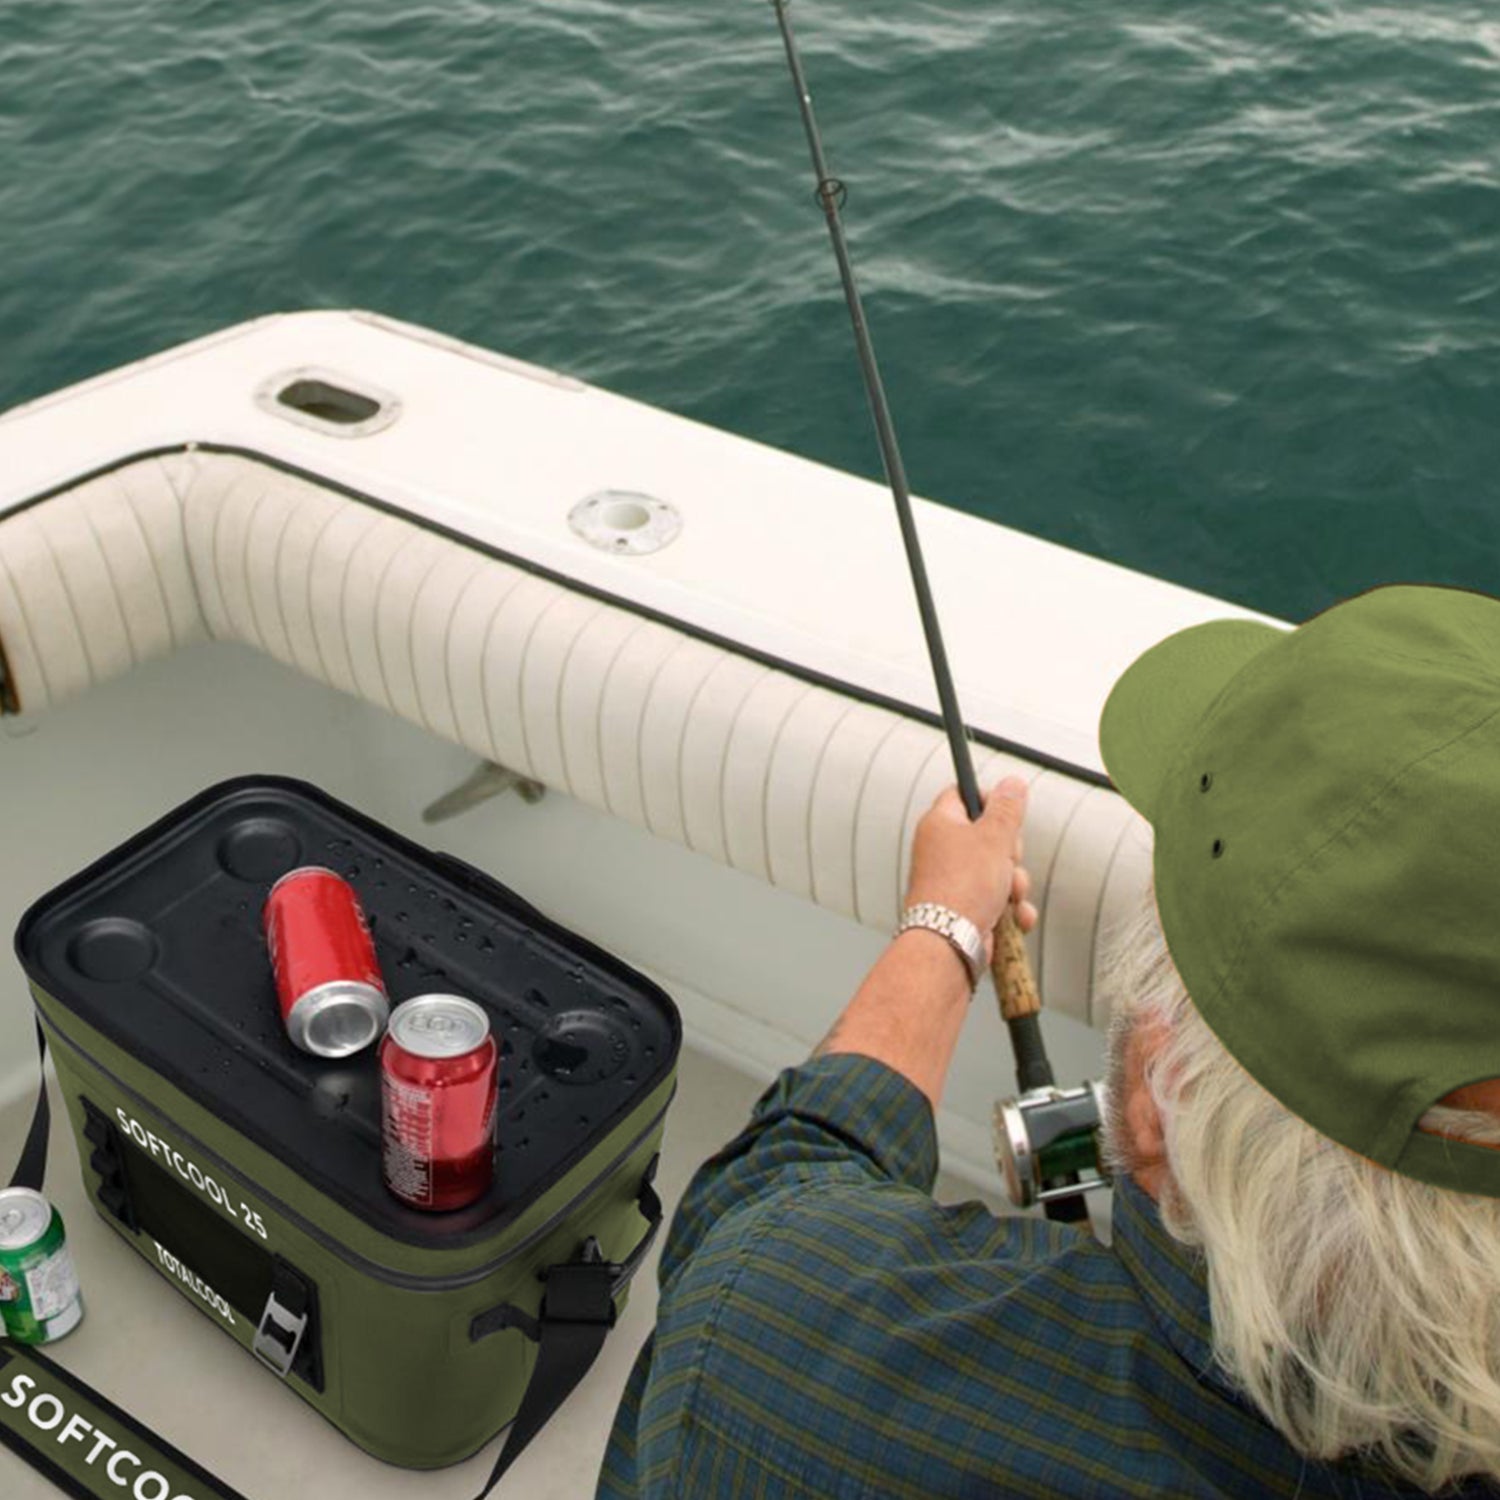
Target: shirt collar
x,y
1172,1278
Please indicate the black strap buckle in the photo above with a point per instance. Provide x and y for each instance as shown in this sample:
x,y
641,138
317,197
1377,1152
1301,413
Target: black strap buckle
x,y
579,1290
582,1290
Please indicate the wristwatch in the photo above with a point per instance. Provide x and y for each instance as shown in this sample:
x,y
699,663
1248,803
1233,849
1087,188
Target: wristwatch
x,y
959,931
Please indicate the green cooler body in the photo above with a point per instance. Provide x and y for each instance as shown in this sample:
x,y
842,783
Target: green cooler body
x,y
248,1173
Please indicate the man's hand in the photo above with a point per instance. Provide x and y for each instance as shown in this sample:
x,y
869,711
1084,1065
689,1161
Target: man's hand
x,y
973,867
911,1006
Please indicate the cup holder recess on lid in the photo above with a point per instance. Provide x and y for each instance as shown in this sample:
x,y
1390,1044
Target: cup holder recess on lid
x,y
259,849
112,950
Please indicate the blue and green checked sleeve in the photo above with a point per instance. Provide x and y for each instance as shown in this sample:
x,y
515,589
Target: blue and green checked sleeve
x,y
842,1122
834,1121
826,1331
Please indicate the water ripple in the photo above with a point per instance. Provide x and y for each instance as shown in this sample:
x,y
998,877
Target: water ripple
x,y
1209,290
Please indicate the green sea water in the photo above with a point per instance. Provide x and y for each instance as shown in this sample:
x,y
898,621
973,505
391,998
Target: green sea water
x,y
1212,290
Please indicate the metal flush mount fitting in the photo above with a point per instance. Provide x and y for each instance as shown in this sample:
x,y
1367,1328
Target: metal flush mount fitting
x,y
625,522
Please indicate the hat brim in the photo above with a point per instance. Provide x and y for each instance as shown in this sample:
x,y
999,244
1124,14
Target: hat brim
x,y
1162,697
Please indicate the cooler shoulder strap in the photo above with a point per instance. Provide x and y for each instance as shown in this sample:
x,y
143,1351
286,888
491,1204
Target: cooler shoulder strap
x,y
577,1313
31,1170
85,1444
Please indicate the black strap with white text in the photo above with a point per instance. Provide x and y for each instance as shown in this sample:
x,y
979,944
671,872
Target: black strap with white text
x,y
85,1444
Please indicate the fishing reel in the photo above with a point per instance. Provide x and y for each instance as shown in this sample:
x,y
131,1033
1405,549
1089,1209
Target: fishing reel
x,y
1047,1140
1047,1144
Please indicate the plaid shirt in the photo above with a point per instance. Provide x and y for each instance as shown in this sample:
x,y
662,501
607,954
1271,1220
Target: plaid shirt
x,y
827,1330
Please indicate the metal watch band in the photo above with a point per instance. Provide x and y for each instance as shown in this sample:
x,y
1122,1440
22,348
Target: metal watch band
x,y
958,929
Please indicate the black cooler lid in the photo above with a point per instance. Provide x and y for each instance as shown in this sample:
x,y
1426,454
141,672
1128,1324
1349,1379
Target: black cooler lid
x,y
158,946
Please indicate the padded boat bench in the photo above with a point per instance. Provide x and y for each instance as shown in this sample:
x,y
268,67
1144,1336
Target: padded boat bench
x,y
754,763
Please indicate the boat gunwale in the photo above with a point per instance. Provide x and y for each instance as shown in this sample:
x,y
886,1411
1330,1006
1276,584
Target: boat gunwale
x,y
1042,758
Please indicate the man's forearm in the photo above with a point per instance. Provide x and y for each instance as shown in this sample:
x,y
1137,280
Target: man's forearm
x,y
909,1010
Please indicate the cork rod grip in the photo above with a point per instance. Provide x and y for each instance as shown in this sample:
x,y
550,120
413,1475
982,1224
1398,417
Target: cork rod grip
x,y
1014,982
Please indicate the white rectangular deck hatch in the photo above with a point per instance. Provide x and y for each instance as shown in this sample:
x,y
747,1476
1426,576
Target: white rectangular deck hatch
x,y
328,402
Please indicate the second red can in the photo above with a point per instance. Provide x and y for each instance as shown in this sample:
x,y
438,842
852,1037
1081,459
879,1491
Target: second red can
x,y
439,1078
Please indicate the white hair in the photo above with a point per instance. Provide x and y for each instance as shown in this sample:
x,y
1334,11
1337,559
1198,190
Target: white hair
x,y
1358,1309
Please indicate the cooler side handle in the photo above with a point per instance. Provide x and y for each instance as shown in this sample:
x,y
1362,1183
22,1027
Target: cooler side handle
x,y
506,1315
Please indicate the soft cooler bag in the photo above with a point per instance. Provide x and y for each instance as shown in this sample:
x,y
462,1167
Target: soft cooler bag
x,y
247,1173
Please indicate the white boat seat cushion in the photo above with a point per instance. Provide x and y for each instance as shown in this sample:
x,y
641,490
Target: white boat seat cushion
x,y
812,790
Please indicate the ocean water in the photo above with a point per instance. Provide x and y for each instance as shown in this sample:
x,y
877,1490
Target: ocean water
x,y
1211,290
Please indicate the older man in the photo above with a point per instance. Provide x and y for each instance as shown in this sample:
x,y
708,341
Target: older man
x,y
1302,1297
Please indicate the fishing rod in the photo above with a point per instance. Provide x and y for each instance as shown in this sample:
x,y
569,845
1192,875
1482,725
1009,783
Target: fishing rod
x,y
1048,1138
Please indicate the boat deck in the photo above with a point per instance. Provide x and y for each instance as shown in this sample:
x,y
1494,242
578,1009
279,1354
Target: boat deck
x,y
151,1352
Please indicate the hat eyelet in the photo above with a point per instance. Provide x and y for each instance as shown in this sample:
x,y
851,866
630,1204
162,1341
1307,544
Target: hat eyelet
x,y
1218,849
1205,781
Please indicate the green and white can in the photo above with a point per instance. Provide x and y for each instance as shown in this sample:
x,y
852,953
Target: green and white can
x,y
39,1295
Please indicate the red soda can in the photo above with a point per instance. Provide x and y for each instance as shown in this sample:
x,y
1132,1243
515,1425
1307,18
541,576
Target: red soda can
x,y
333,1000
439,1080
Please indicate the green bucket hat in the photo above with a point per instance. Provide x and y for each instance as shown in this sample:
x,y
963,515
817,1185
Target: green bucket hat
x,y
1326,803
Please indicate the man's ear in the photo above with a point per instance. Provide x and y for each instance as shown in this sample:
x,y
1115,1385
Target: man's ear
x,y
1140,1116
